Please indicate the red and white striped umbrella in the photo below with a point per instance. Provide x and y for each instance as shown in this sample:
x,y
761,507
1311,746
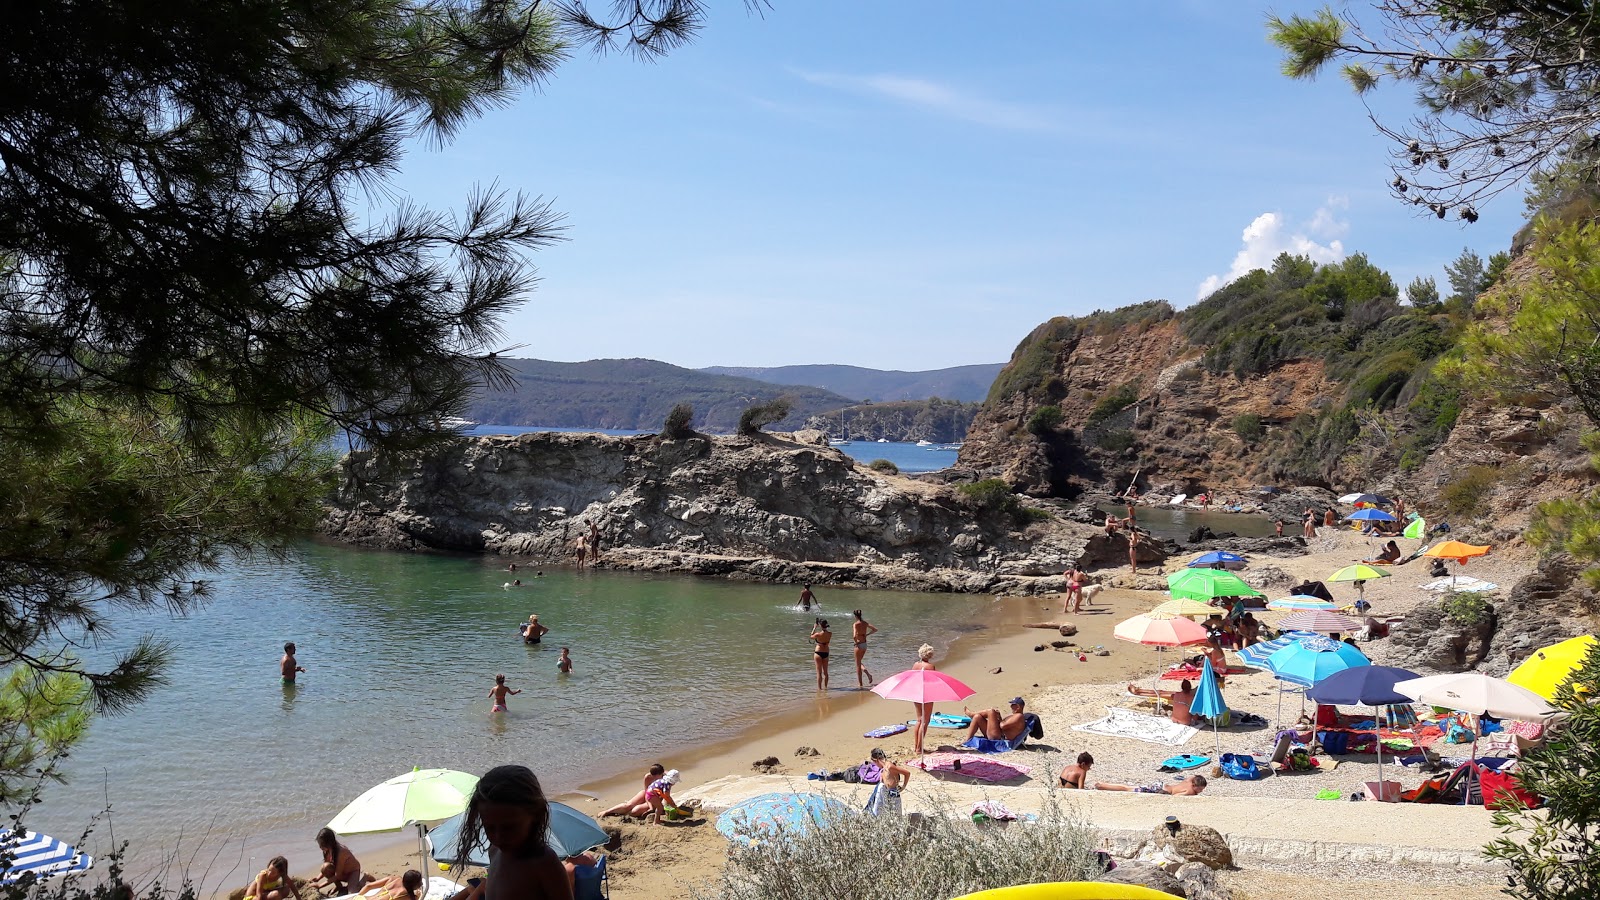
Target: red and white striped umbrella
x,y
1321,621
1161,630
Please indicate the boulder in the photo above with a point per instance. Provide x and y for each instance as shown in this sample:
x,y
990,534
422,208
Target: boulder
x,y
1068,630
1144,874
1200,882
1194,843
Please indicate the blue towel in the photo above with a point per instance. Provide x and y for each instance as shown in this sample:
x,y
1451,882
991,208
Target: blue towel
x,y
985,745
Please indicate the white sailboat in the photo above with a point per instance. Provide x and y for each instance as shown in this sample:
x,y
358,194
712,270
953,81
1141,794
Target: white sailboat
x,y
844,434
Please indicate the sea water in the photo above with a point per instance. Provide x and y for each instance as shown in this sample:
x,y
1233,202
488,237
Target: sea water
x,y
400,652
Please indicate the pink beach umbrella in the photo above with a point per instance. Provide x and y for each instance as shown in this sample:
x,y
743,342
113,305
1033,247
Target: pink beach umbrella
x,y
1160,630
922,686
1320,621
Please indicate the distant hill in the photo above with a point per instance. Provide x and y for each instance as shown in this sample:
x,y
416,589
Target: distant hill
x,y
636,394
964,383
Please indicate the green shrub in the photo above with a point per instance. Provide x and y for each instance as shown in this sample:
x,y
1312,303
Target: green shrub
x,y
760,415
885,466
1464,496
678,421
1044,420
1114,441
993,495
1249,427
1467,608
1111,404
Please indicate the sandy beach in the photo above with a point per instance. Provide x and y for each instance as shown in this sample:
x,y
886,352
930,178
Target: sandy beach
x,y
1312,839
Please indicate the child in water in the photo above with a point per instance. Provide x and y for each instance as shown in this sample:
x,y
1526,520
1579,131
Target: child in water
x,y
508,809
497,694
564,663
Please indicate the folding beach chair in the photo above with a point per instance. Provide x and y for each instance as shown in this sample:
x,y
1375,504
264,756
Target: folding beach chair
x,y
591,882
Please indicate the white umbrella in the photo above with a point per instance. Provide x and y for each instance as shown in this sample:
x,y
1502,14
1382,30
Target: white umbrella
x,y
1478,694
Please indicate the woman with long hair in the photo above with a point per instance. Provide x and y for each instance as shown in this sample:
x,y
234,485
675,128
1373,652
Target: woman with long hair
x,y
509,810
340,868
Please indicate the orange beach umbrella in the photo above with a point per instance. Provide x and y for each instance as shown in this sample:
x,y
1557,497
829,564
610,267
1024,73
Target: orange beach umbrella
x,y
1455,550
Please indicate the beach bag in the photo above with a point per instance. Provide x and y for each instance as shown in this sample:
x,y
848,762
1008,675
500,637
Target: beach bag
x,y
1502,786
1240,766
1300,760
869,773
1035,727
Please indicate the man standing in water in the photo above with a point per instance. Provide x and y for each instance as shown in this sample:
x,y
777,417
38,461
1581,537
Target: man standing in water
x,y
287,666
858,633
807,599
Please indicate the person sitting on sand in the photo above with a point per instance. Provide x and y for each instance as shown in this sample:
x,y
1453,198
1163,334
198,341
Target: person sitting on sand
x,y
1179,699
996,727
273,882
405,886
638,805
1077,774
1391,553
659,796
1249,630
341,871
1187,786
533,632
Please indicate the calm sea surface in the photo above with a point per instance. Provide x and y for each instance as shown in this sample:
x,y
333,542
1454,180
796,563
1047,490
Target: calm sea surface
x,y
400,653
908,456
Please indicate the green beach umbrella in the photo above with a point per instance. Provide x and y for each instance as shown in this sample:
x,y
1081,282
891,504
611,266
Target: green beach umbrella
x,y
420,795
1206,584
1417,530
1358,573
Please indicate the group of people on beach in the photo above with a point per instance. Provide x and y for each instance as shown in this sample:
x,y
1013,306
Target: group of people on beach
x,y
822,641
653,802
507,812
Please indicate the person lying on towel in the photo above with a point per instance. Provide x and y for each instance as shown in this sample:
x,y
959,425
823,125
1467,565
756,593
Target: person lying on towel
x,y
1187,786
990,724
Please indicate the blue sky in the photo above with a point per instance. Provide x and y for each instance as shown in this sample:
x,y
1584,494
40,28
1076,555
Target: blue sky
x,y
916,185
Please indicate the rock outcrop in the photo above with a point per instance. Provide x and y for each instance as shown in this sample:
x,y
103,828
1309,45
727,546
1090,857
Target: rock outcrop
x,y
770,507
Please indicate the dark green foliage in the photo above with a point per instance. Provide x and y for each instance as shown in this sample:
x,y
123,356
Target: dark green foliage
x,y
1467,278
1114,441
1248,427
678,423
1430,416
760,415
885,466
1033,363
1423,294
1118,400
633,393
1310,445
1550,853
995,496
1044,420
1466,608
1465,494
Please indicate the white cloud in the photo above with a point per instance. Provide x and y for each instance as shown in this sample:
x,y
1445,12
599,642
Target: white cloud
x,y
1271,234
931,96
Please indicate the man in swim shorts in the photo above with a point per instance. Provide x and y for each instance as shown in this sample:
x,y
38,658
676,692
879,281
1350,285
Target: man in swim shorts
x,y
288,666
993,726
1187,786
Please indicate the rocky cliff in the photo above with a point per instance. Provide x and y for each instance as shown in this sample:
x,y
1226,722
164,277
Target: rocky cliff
x,y
771,506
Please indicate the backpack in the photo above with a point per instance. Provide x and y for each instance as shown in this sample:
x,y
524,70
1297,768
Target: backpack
x,y
1035,727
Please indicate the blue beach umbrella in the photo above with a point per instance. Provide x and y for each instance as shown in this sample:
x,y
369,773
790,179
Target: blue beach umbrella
x,y
570,833
1309,660
1217,558
1208,701
1363,686
777,813
40,854
1256,654
1301,601
1371,515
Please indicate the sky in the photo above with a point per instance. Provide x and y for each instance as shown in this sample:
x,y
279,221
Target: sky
x,y
915,184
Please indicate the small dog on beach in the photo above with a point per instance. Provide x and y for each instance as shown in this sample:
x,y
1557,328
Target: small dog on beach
x,y
1090,590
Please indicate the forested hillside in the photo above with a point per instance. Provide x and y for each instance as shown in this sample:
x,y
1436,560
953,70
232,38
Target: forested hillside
x,y
964,383
636,394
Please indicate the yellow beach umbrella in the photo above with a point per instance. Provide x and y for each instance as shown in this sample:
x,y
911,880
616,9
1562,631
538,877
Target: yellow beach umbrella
x,y
1184,606
1547,669
420,795
1070,890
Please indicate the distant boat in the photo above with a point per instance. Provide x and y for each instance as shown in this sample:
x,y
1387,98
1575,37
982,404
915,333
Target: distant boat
x,y
838,443
456,423
924,443
883,440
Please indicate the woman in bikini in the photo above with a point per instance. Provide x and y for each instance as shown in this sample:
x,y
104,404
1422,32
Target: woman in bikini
x,y
924,710
398,887
858,633
273,883
638,805
823,637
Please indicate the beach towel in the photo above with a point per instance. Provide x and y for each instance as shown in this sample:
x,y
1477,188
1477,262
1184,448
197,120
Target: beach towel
x,y
1189,673
971,765
1140,726
435,888
986,745
943,720
885,731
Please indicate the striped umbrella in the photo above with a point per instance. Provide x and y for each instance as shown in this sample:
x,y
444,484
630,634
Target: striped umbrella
x,y
40,854
1256,654
1319,621
1300,601
1183,606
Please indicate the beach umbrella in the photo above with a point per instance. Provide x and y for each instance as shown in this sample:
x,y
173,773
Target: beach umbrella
x,y
1371,514
1218,558
1319,621
1161,630
777,813
1455,550
1349,498
1205,584
1208,700
1256,654
1371,499
1301,601
1183,606
1309,660
1479,695
1364,686
39,854
922,686
570,833
420,795
1358,572
1417,530
1550,667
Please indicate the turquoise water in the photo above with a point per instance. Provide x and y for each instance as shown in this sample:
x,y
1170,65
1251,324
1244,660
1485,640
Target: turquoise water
x,y
400,653
908,456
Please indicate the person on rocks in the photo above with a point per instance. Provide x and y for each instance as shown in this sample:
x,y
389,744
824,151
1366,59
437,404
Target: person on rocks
x,y
1133,550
